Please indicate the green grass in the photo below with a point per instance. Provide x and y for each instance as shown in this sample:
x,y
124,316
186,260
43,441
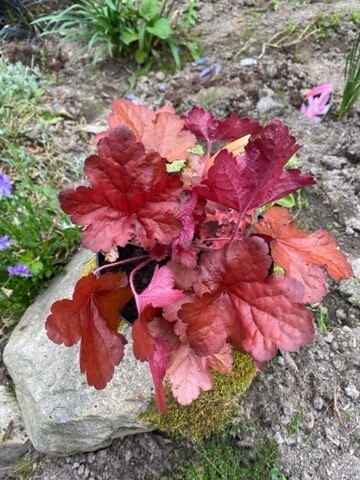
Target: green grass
x,y
352,78
221,459
321,317
293,427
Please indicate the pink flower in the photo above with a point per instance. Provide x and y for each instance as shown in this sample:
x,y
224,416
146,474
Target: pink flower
x,y
317,102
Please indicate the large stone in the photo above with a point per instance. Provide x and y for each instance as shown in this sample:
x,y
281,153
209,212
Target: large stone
x,y
62,414
13,439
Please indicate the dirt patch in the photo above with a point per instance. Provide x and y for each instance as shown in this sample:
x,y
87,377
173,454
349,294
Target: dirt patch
x,y
308,401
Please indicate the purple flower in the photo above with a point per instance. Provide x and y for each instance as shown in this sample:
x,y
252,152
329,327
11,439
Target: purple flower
x,y
5,185
20,270
217,68
4,242
204,72
131,96
201,61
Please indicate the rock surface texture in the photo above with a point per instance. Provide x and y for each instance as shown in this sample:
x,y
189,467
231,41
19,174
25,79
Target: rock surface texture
x,y
62,413
13,439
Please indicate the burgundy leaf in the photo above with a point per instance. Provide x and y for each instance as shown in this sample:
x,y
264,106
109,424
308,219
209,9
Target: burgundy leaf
x,y
205,127
256,178
131,198
92,317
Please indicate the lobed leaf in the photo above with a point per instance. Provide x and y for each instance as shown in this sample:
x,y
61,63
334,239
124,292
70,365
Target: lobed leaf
x,y
131,197
159,293
254,312
303,256
161,131
92,317
257,177
206,127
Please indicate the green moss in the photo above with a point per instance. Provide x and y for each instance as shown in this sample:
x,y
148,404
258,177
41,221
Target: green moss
x,y
211,411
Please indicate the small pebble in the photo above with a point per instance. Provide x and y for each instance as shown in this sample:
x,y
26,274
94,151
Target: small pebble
x,y
318,403
160,76
248,61
352,392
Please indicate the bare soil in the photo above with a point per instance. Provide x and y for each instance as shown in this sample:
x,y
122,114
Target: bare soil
x,y
309,401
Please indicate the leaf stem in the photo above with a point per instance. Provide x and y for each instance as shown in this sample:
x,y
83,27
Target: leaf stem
x,y
235,231
122,262
131,280
204,247
216,238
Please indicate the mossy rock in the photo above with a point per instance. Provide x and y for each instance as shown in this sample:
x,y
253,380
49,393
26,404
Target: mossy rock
x,y
212,410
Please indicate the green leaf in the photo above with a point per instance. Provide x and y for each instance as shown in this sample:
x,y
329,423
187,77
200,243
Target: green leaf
x,y
128,36
175,166
292,163
195,50
149,9
160,29
27,258
197,150
287,202
174,51
140,56
36,267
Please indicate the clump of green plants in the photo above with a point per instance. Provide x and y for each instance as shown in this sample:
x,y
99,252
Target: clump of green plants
x,y
324,23
352,78
35,242
17,80
212,411
36,239
121,27
20,98
355,16
24,118
220,458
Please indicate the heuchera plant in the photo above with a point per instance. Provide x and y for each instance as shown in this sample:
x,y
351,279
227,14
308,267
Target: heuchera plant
x,y
206,224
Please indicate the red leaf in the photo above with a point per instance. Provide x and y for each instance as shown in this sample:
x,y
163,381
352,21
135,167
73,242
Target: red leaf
x,y
160,130
143,345
185,277
256,178
182,250
205,127
131,197
254,312
303,255
187,374
221,362
157,366
92,316
159,293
